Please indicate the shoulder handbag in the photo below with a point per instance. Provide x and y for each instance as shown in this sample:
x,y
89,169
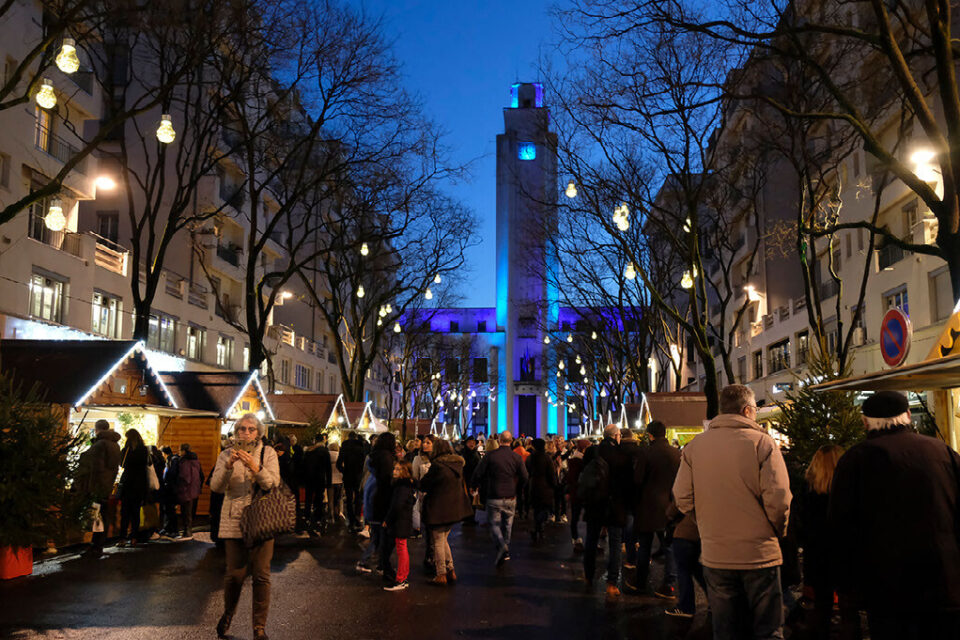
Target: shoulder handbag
x,y
269,514
153,483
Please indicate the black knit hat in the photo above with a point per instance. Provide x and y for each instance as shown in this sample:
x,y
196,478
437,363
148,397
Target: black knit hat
x,y
885,404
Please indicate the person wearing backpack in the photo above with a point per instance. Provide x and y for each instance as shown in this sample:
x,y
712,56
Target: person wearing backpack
x,y
503,473
605,486
189,485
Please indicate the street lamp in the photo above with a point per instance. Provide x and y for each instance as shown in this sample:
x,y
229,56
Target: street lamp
x,y
924,168
67,60
106,183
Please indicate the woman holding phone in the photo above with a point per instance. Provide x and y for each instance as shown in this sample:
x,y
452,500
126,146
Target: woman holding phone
x,y
239,470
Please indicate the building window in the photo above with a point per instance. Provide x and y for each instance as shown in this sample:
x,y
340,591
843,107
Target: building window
x,y
897,299
46,298
285,371
480,370
779,355
302,377
333,384
527,151
162,333
454,326
108,224
225,352
196,341
452,370
4,170
742,369
803,347
482,326
107,314
246,357
941,295
757,365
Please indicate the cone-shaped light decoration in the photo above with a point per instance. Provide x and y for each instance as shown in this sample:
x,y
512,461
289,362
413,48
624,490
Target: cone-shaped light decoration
x,y
165,132
46,97
55,220
67,60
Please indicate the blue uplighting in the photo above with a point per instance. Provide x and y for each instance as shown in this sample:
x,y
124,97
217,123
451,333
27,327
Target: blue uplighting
x,y
515,95
527,151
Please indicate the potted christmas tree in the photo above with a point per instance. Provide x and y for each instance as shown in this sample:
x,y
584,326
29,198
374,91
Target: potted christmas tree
x,y
37,453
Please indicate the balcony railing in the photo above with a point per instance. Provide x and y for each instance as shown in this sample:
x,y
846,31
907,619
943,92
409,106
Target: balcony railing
x,y
889,255
63,240
197,295
229,254
58,148
283,334
109,255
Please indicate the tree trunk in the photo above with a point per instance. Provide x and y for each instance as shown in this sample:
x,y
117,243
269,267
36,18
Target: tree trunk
x,y
141,321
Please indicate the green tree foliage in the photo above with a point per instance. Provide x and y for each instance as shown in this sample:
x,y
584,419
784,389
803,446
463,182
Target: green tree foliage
x,y
811,419
37,458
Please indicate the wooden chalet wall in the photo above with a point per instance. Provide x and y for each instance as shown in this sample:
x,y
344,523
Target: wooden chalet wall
x,y
130,376
203,435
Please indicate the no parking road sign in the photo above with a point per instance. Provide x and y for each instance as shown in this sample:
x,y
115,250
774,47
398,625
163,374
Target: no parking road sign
x,y
895,333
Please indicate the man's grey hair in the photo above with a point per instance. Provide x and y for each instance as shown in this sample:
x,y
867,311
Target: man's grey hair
x,y
611,431
252,417
874,424
734,397
505,437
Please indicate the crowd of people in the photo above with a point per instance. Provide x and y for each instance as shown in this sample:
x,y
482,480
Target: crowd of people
x,y
878,525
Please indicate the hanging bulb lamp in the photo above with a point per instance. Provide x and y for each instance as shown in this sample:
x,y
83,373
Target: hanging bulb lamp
x,y
55,220
364,249
571,189
361,292
396,328
687,280
67,60
429,294
630,272
46,97
165,132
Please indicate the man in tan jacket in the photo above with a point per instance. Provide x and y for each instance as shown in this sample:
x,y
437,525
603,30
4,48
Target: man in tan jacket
x,y
735,479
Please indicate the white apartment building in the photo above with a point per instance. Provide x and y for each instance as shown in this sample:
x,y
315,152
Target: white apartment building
x,y
76,282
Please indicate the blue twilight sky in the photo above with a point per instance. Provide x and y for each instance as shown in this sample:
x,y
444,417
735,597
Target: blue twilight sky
x,y
462,56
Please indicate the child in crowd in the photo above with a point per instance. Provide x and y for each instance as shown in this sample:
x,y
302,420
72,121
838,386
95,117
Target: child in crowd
x,y
399,523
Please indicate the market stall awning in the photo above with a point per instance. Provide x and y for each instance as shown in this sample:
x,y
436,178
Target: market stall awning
x,y
87,372
942,373
224,393
677,410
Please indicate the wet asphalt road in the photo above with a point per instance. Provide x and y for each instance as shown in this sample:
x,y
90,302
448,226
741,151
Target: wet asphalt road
x,y
173,590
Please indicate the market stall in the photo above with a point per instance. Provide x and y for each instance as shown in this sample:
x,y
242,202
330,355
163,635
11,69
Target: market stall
x,y
684,413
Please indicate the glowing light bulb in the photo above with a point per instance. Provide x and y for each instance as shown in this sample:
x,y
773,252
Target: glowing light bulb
x,y
46,97
364,249
630,272
603,393
687,280
67,60
379,322
623,224
569,337
382,312
571,189
389,308
593,336
55,220
561,365
396,328
579,360
583,371
361,292
165,132
429,294
437,279
546,339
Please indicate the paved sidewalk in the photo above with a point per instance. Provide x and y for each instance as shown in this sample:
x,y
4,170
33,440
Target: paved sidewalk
x,y
173,590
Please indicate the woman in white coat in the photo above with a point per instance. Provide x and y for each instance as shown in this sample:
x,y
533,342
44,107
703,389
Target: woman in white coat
x,y
239,470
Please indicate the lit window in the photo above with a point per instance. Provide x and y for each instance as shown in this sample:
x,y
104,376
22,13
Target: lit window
x,y
107,312
46,298
162,333
527,151
196,339
224,351
897,299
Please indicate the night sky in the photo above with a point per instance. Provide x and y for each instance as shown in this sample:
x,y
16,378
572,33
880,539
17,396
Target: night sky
x,y
462,56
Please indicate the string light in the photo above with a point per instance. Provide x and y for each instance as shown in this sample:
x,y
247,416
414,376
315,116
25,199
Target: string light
x,y
46,97
165,132
55,220
437,279
67,60
396,328
593,336
630,272
687,280
429,294
571,189
361,292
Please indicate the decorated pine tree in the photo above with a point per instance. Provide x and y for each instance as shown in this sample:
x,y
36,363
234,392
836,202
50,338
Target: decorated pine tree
x,y
811,419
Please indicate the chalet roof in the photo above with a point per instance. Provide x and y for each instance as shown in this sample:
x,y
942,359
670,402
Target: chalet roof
x,y
216,391
68,370
302,408
676,410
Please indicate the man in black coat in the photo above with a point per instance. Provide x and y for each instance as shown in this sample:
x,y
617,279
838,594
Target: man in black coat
x,y
350,465
610,512
471,460
502,474
631,447
317,474
894,512
653,475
